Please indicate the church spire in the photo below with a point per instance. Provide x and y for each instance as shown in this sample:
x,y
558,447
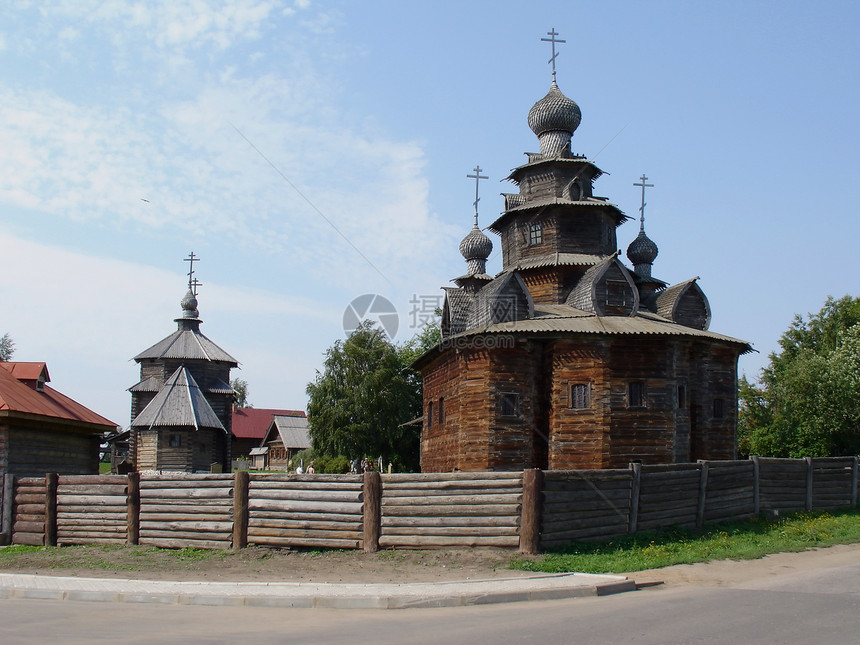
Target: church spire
x,y
476,247
555,117
642,251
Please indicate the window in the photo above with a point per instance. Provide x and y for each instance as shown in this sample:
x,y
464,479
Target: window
x,y
441,411
579,396
719,408
508,404
682,397
430,414
616,292
535,234
636,394
174,440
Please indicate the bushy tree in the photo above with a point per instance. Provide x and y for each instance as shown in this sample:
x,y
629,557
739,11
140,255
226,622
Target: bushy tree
x,y
808,402
240,393
359,404
7,347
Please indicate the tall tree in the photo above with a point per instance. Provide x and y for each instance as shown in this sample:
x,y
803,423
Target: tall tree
x,y
360,402
7,347
240,393
808,402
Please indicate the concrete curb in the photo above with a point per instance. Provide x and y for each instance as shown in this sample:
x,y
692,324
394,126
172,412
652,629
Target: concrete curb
x,y
313,595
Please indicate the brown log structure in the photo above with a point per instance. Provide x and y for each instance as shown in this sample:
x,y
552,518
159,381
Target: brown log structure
x,y
92,509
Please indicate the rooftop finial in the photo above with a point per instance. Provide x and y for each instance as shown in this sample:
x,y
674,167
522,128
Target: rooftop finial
x,y
552,39
477,177
643,179
193,282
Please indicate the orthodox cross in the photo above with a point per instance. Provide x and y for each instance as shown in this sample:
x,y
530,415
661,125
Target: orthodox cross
x,y
552,39
193,282
477,177
642,208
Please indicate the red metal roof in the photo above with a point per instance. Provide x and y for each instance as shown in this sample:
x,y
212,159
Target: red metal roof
x,y
252,423
27,371
15,396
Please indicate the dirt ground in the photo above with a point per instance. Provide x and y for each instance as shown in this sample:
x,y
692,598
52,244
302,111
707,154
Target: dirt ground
x,y
272,565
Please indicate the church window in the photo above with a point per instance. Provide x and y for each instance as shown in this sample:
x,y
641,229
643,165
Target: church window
x,y
636,395
719,408
441,411
174,440
430,414
579,396
682,397
509,404
535,234
616,292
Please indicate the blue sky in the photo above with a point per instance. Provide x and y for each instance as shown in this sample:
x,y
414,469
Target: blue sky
x,y
124,130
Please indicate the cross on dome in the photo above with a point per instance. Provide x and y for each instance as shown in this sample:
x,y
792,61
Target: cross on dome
x,y
477,177
193,282
643,179
552,39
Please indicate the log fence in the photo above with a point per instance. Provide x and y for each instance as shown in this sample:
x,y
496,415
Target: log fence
x,y
529,511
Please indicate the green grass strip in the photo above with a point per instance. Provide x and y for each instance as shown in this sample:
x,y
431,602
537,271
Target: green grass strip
x,y
739,540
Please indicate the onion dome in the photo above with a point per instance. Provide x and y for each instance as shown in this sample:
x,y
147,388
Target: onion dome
x,y
189,305
554,119
476,248
642,252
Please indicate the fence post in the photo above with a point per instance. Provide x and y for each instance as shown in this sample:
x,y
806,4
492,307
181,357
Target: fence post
x,y
241,478
9,500
808,483
703,491
853,482
372,491
634,497
530,513
756,496
51,481
133,506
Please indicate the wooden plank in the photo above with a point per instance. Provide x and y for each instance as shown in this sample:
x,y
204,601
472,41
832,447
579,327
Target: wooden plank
x,y
132,509
186,535
240,509
478,532
91,500
188,503
28,527
444,500
81,541
510,520
98,490
147,527
290,506
146,479
308,495
426,477
306,524
29,539
170,543
93,518
302,534
51,509
92,480
7,503
455,511
313,479
459,485
633,515
186,493
427,542
305,542
531,512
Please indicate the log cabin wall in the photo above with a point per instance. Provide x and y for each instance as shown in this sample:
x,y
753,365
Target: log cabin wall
x,y
440,442
714,403
579,436
35,447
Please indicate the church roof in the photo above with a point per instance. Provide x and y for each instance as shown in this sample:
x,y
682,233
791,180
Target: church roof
x,y
536,204
180,403
557,259
185,344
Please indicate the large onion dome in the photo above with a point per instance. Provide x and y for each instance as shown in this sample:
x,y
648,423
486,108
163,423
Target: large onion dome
x,y
642,252
554,119
476,248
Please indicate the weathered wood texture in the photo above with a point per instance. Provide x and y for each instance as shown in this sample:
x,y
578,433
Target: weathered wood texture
x,y
457,510
782,484
306,511
184,498
585,504
29,528
92,508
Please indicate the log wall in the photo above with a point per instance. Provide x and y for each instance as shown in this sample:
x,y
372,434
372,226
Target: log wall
x,y
451,510
306,511
186,511
430,510
92,509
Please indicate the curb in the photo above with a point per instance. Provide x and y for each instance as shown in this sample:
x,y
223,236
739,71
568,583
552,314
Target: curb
x,y
313,596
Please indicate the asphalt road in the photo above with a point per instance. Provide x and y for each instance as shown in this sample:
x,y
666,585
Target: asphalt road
x,y
818,606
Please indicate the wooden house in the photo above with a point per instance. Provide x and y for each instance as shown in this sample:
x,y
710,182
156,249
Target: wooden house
x,y
44,431
185,361
249,426
568,358
286,435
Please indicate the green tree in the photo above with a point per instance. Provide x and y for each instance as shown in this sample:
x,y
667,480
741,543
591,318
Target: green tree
x,y
360,402
240,393
808,402
7,347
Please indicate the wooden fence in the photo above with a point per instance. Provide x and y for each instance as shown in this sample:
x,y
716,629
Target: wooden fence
x,y
531,510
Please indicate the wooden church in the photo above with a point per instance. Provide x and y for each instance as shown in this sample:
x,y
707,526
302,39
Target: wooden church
x,y
181,408
568,358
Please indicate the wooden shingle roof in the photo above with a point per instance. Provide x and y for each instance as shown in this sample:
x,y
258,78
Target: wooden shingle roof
x,y
180,403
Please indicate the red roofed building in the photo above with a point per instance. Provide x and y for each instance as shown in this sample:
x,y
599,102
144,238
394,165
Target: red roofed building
x,y
250,426
42,430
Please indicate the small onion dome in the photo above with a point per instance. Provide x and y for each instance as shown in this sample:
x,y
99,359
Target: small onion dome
x,y
642,252
476,245
554,112
189,306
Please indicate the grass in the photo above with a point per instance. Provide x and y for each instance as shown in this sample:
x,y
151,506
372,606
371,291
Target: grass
x,y
739,540
114,557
